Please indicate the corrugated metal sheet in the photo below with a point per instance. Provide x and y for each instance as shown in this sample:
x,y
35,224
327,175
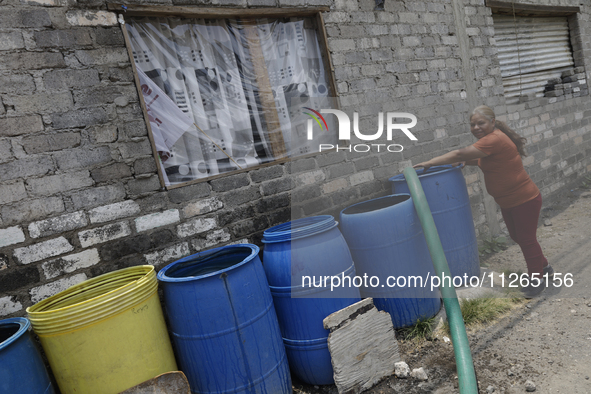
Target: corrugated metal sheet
x,y
531,51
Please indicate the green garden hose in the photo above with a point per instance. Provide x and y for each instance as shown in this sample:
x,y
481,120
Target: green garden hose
x,y
464,363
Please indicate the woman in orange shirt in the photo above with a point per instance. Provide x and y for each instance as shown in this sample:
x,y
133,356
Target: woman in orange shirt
x,y
498,153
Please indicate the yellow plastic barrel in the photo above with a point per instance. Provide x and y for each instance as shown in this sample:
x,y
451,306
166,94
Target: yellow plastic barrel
x,y
106,334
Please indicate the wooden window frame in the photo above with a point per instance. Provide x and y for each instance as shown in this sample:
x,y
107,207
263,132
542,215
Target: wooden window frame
x,y
222,13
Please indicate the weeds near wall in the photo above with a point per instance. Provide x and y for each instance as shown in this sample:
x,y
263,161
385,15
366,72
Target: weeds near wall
x,y
492,245
479,311
586,184
484,310
420,331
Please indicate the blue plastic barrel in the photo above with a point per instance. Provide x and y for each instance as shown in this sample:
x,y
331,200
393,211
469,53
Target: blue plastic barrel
x,y
315,248
387,242
21,368
223,323
447,195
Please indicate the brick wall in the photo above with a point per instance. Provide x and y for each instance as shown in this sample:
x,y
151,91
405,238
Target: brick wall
x,y
79,193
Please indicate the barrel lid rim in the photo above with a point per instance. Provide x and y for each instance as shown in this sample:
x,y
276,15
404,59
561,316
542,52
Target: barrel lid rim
x,y
51,326
430,172
34,309
24,325
342,213
107,301
317,224
254,250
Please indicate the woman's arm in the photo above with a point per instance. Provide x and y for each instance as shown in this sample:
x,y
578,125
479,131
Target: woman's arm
x,y
468,154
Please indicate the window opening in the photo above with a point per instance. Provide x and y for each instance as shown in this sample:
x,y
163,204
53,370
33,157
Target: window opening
x,y
533,54
227,94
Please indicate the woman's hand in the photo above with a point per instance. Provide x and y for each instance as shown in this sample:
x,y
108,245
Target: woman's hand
x,y
425,165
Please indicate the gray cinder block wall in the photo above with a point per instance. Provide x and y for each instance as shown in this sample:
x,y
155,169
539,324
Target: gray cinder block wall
x,y
79,192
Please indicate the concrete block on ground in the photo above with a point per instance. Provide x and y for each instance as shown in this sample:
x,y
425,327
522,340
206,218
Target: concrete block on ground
x,y
419,374
401,370
169,382
363,346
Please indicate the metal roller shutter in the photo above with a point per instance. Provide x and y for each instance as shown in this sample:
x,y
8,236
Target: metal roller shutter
x,y
531,51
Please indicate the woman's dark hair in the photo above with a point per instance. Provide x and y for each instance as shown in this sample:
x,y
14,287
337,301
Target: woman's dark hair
x,y
489,114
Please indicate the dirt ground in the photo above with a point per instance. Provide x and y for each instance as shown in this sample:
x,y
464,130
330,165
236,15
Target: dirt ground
x,y
546,340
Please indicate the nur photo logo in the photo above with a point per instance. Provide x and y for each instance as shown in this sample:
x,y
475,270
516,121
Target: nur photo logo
x,y
392,124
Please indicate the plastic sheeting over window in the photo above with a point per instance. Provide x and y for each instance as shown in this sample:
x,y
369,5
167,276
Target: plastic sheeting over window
x,y
224,95
532,50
